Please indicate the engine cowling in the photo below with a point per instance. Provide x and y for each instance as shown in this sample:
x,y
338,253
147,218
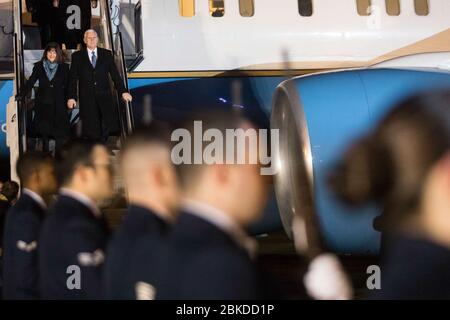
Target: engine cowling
x,y
318,116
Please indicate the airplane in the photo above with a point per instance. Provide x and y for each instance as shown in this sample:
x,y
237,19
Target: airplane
x,y
320,71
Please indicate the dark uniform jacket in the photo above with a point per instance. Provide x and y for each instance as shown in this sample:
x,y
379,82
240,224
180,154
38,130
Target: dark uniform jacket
x,y
51,114
204,262
414,269
20,269
98,112
72,248
4,207
139,224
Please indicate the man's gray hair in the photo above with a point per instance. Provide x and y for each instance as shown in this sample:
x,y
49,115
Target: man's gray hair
x,y
89,31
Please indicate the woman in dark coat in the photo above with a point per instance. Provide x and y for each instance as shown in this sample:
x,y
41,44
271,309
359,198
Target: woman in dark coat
x,y
51,118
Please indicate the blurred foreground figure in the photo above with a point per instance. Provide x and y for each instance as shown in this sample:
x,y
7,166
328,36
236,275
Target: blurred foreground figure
x,y
210,255
152,190
75,234
404,165
23,225
4,207
8,196
10,190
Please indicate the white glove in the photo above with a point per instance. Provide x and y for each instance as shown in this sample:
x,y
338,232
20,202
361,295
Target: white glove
x,y
326,279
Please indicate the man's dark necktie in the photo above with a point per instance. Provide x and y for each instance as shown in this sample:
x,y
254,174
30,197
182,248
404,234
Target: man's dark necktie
x,y
94,59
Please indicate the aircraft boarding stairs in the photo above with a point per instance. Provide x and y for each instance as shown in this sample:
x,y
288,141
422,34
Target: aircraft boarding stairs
x,y
19,113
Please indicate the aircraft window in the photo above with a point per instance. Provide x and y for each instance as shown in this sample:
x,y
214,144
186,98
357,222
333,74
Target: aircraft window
x,y
246,8
305,8
363,7
421,7
187,8
216,8
393,7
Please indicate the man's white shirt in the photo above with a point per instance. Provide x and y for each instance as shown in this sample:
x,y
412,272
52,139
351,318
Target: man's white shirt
x,y
90,54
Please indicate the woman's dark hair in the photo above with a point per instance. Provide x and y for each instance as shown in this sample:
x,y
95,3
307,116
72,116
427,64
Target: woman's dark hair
x,y
389,165
56,47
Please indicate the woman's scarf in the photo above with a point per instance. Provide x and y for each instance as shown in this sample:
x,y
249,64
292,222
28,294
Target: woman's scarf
x,y
50,68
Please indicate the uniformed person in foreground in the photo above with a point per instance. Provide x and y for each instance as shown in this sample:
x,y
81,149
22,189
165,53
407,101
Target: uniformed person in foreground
x,y
74,236
23,225
404,166
209,254
152,191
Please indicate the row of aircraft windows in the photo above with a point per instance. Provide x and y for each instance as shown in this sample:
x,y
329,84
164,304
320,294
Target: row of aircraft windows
x,y
305,7
393,7
216,8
